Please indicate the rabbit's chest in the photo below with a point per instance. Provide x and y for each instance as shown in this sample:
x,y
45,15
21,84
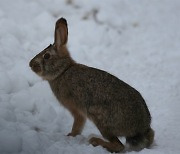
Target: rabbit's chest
x,y
65,95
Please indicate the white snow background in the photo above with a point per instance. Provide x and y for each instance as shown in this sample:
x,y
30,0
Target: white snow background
x,y
136,40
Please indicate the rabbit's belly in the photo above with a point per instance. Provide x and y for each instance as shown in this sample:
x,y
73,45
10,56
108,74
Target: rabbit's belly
x,y
116,123
116,128
113,128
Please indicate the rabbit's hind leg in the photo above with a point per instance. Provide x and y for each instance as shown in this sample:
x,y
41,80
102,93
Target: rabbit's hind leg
x,y
114,145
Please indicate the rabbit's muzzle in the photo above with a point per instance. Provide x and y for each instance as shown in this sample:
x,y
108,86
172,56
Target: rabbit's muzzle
x,y
35,66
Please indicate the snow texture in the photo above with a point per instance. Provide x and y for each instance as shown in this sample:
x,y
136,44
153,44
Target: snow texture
x,y
136,40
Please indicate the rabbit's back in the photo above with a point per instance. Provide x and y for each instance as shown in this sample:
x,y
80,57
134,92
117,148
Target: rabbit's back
x,y
105,99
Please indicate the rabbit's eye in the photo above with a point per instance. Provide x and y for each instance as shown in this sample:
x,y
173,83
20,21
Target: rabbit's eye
x,y
46,56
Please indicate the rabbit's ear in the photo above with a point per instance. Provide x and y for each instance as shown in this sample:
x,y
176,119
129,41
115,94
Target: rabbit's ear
x,y
61,33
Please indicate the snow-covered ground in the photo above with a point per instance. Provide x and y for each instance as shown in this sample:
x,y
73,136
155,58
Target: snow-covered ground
x,y
136,40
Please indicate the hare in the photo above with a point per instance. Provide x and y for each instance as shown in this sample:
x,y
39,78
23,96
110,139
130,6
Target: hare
x,y
116,108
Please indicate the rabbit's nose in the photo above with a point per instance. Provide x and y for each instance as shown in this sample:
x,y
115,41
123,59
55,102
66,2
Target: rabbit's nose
x,y
31,63
35,66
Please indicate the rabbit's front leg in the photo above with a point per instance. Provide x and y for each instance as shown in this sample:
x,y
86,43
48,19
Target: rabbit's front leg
x,y
79,121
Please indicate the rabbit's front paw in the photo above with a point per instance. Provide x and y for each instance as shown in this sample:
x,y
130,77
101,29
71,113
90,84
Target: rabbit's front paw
x,y
72,134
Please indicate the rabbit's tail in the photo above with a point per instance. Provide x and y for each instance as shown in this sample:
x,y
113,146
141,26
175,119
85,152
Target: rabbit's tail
x,y
141,141
149,137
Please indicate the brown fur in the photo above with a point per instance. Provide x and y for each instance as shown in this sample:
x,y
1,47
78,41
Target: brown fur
x,y
116,108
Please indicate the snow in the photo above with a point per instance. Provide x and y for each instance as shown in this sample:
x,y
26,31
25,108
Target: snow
x,y
138,41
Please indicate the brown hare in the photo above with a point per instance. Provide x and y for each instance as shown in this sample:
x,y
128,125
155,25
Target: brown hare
x,y
112,105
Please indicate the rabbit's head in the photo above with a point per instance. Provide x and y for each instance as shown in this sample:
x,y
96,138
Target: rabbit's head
x,y
54,59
